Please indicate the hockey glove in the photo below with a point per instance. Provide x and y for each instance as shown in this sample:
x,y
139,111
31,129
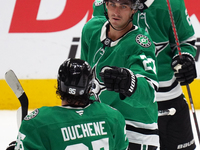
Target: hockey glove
x,y
185,71
11,146
120,80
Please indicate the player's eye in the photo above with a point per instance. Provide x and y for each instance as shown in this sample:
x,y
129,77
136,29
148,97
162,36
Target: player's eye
x,y
124,6
112,4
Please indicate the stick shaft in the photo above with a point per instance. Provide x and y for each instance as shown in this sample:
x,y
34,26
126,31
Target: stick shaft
x,y
180,55
193,111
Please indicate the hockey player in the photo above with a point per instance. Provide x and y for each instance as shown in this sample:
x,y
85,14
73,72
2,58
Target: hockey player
x,y
80,123
175,131
125,70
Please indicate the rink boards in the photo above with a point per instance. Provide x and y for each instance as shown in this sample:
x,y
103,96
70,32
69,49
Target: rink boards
x,y
42,93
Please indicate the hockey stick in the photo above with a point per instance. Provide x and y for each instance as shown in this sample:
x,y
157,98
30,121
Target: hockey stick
x,y
180,55
167,112
16,87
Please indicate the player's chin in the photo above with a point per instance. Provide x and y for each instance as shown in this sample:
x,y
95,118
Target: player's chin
x,y
117,27
116,24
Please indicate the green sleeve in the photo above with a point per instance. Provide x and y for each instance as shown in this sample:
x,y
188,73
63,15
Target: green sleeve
x,y
144,66
147,82
184,29
29,138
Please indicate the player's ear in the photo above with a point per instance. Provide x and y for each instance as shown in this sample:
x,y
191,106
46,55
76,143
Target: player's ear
x,y
134,11
106,4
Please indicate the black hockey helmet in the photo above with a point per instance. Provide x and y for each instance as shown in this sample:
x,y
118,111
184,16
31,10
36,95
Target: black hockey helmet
x,y
74,77
135,3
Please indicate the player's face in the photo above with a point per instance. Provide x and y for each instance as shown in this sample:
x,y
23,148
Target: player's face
x,y
119,12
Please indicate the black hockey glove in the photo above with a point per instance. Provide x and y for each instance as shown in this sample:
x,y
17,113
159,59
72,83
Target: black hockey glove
x,y
11,146
185,70
120,80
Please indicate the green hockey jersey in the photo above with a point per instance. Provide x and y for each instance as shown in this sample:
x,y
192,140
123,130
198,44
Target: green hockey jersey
x,y
135,51
94,127
153,16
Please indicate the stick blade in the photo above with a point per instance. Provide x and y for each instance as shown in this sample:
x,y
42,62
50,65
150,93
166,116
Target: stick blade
x,y
16,87
14,83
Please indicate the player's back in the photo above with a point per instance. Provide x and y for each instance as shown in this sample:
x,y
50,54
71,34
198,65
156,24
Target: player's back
x,y
93,127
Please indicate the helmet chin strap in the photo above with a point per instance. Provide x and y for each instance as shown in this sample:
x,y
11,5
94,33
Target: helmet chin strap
x,y
123,27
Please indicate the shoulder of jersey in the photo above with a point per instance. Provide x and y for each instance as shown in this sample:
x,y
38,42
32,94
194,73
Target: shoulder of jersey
x,y
31,115
98,2
108,107
40,111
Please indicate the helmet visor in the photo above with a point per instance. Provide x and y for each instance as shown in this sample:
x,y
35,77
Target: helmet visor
x,y
131,3
122,2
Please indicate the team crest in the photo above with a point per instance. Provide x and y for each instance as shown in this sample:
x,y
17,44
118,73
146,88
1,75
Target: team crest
x,y
98,2
32,115
143,40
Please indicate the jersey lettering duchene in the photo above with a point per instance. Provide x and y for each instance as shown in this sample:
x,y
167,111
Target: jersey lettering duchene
x,y
134,51
96,126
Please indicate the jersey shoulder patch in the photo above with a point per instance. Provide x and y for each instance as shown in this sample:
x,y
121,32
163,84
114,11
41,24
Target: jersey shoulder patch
x,y
32,115
143,40
98,2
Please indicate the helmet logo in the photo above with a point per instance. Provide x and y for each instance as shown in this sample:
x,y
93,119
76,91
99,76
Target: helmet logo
x,y
72,91
81,92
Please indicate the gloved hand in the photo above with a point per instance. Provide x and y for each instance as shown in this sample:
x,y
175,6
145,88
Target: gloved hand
x,y
11,146
120,80
185,70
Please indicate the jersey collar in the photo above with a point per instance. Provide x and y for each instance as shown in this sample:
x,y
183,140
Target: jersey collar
x,y
75,107
145,5
107,41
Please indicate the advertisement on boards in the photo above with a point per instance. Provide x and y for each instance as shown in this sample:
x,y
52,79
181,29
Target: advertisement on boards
x,y
36,36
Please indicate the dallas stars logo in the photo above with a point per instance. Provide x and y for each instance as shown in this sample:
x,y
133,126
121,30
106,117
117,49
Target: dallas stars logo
x,y
143,40
32,115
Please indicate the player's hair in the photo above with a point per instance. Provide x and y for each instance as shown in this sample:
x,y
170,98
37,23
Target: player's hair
x,y
74,81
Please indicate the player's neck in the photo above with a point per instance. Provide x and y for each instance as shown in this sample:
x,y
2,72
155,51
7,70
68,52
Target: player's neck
x,y
65,103
115,34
